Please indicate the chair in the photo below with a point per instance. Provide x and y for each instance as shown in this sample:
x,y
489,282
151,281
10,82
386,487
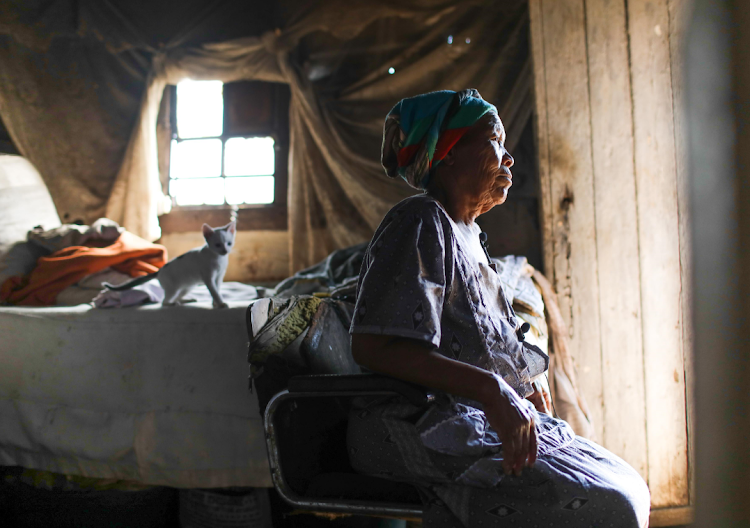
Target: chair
x,y
306,437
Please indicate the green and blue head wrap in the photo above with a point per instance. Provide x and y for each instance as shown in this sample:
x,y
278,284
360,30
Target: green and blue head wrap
x,y
419,131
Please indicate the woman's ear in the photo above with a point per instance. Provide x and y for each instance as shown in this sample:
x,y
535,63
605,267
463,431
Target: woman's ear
x,y
449,158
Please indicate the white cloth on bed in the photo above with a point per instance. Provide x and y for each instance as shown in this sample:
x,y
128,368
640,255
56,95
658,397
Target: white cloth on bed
x,y
157,395
148,292
152,292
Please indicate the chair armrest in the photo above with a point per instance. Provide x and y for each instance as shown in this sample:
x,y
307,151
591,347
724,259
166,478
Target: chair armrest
x,y
364,383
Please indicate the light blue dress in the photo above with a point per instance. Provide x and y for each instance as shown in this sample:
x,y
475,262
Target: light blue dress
x,y
427,278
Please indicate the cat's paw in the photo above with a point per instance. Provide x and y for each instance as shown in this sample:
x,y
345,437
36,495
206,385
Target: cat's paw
x,y
221,305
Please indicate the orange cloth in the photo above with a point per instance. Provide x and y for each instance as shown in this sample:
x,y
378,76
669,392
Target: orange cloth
x,y
129,254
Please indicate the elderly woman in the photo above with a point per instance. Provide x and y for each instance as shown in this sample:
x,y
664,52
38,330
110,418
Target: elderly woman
x,y
431,310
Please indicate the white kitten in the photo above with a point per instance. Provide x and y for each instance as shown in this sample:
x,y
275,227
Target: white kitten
x,y
202,265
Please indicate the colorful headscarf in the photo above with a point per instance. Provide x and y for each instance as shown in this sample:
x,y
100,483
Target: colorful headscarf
x,y
419,131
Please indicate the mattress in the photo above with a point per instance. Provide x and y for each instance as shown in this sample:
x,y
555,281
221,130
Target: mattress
x,y
150,394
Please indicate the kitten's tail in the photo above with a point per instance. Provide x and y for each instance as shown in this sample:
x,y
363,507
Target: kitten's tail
x,y
135,282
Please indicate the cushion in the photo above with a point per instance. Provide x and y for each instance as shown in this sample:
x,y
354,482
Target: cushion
x,y
25,202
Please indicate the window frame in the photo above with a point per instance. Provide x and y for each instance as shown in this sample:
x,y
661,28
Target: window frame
x,y
250,217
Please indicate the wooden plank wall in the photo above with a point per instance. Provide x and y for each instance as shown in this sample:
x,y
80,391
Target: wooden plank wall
x,y
614,219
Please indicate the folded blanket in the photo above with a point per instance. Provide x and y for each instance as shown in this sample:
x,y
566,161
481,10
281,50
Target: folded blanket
x,y
129,254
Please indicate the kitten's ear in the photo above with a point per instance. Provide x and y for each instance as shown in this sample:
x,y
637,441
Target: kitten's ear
x,y
232,226
207,231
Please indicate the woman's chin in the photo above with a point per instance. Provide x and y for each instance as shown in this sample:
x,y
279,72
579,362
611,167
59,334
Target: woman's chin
x,y
501,195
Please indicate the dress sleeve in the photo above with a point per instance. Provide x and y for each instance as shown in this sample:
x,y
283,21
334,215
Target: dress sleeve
x,y
403,278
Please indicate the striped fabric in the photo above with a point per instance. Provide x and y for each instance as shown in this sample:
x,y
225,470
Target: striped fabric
x,y
419,131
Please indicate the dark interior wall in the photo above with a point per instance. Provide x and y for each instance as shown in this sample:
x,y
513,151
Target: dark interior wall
x,y
513,228
195,22
70,108
6,143
142,24
717,104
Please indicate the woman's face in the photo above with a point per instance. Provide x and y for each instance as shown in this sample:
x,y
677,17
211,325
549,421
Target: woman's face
x,y
481,165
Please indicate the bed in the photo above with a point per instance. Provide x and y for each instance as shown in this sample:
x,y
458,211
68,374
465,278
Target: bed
x,y
154,395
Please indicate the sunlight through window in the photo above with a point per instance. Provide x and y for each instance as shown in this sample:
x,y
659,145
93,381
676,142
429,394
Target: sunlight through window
x,y
209,168
196,158
204,191
200,109
249,157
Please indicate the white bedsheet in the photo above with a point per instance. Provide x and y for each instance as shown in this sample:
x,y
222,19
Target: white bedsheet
x,y
156,395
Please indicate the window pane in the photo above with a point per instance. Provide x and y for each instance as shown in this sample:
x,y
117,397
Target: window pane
x,y
208,191
200,109
197,158
249,157
252,190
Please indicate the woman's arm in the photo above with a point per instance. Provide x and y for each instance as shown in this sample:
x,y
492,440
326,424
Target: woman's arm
x,y
416,362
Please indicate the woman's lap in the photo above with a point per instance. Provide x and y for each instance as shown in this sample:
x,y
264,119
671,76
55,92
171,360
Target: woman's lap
x,y
573,481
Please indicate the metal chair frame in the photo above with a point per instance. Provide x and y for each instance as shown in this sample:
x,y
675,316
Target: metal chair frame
x,y
320,386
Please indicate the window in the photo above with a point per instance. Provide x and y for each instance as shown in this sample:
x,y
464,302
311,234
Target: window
x,y
222,152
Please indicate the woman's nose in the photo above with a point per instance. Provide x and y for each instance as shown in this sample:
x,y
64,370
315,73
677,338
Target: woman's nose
x,y
508,160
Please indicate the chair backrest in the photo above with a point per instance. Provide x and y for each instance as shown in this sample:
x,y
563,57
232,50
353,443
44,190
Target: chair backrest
x,y
306,424
324,348
311,438
306,435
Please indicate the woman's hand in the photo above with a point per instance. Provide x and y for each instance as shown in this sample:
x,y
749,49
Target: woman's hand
x,y
514,423
541,399
420,363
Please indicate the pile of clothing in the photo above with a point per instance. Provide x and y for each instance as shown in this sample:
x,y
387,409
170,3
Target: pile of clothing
x,y
73,261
